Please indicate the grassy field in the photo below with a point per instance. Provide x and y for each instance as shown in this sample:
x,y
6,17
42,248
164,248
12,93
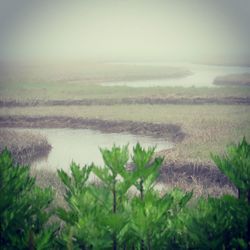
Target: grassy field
x,y
23,91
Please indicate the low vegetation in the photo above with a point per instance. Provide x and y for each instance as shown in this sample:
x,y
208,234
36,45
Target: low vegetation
x,y
108,215
33,92
24,146
24,207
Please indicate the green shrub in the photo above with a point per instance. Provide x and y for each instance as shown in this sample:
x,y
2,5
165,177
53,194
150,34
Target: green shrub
x,y
23,208
105,216
84,215
235,164
152,214
218,223
96,216
223,223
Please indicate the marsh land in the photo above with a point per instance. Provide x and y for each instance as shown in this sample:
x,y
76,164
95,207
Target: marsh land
x,y
197,120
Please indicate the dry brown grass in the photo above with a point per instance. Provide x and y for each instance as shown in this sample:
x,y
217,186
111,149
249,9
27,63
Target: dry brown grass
x,y
24,146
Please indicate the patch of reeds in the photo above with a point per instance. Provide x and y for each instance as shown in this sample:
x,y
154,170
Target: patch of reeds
x,y
23,145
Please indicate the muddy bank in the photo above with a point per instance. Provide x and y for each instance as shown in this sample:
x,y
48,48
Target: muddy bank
x,y
170,131
153,101
25,147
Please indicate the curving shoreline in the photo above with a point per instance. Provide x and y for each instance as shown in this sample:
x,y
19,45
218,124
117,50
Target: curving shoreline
x,y
170,131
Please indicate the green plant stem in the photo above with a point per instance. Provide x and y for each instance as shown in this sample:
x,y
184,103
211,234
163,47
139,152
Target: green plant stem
x,y
141,189
124,246
114,198
142,245
31,240
142,197
114,211
149,242
248,221
114,242
239,193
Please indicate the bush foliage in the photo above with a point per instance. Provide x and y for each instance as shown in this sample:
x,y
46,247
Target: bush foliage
x,y
23,208
123,210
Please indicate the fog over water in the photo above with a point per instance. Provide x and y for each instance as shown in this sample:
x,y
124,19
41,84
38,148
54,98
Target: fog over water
x,y
201,76
215,31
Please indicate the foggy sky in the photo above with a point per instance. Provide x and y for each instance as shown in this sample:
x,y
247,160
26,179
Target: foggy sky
x,y
124,30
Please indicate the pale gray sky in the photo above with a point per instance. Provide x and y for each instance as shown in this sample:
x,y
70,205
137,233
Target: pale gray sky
x,y
124,30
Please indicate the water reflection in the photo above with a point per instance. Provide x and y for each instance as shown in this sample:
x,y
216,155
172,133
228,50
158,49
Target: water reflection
x,y
203,76
82,146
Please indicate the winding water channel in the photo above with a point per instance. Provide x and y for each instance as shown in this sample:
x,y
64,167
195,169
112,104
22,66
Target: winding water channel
x,y
202,76
82,146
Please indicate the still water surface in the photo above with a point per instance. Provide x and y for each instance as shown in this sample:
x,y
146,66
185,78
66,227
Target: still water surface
x,y
82,146
202,76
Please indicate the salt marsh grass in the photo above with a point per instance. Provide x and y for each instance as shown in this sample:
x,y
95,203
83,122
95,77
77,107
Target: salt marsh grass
x,y
24,146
